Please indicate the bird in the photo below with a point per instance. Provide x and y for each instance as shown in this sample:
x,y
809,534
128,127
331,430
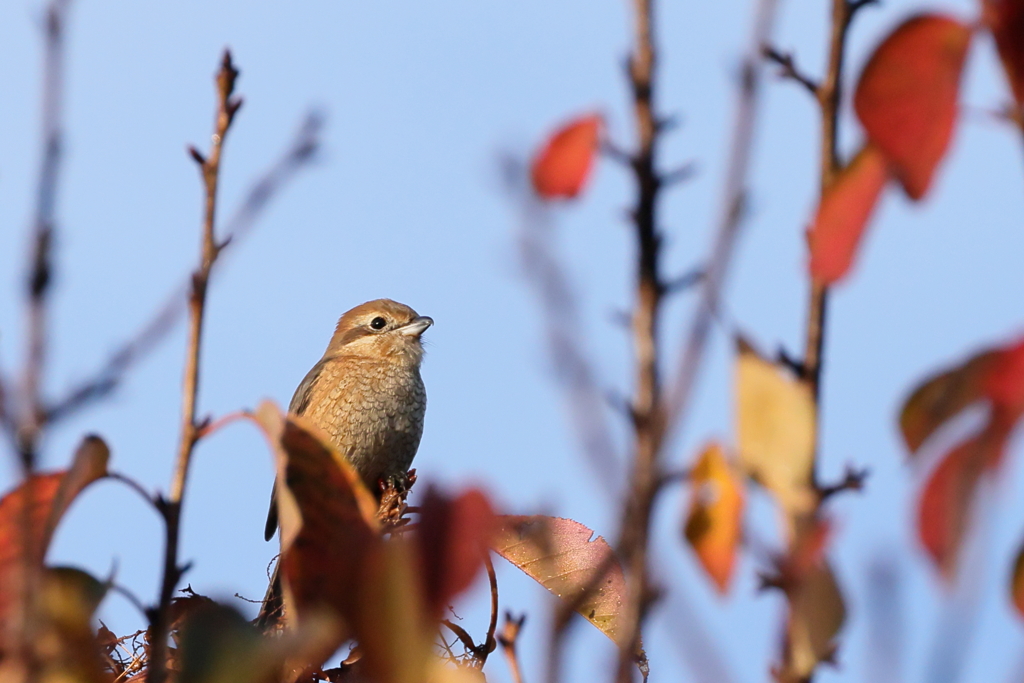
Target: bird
x,y
367,396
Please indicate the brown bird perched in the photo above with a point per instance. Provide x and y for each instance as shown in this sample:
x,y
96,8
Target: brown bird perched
x,y
366,394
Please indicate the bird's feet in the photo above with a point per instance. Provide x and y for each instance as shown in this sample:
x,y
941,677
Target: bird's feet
x,y
394,490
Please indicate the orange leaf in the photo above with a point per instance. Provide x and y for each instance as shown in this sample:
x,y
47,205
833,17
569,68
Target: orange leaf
x,y
1017,582
714,522
843,214
907,96
1005,19
454,536
560,555
561,168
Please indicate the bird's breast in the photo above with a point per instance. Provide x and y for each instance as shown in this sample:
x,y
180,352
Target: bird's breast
x,y
373,413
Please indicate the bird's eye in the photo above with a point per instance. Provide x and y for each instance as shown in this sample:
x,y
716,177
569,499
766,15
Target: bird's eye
x,y
378,323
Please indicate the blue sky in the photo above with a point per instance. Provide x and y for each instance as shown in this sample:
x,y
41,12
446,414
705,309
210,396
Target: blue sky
x,y
422,101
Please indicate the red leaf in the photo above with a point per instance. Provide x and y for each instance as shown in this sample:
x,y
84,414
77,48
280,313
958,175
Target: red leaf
x,y
36,507
907,96
714,523
454,536
994,375
948,495
561,168
843,214
1005,19
1004,383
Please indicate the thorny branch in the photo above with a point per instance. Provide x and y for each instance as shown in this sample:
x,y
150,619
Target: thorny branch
x,y
647,407
227,107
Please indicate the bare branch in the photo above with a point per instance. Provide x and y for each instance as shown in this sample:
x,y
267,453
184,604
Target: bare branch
x,y
647,405
733,210
573,369
227,107
40,274
300,152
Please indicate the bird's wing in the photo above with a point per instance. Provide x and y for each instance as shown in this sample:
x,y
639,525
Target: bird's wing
x,y
300,400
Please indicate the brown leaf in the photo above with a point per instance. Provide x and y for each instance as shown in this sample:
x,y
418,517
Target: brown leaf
x,y
453,538
714,523
817,613
907,96
1017,582
394,631
328,518
843,215
561,168
775,417
1005,19
943,396
219,646
33,510
995,375
560,555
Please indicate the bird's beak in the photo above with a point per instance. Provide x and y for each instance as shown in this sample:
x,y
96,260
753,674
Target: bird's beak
x,y
416,326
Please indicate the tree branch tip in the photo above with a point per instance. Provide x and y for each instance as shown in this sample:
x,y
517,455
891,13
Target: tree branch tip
x,y
618,154
664,124
853,480
196,155
856,5
685,281
678,175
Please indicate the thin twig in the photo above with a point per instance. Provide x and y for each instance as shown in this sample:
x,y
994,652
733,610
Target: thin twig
x,y
572,366
733,211
829,94
300,152
227,107
137,488
507,640
40,275
489,642
26,427
789,69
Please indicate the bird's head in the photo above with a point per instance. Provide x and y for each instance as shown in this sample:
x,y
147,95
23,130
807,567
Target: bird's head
x,y
382,329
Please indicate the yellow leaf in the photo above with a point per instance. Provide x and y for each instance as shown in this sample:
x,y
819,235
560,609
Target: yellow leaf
x,y
775,422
